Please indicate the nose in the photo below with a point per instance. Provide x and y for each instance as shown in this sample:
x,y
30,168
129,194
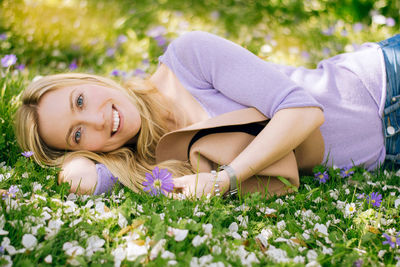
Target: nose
x,y
96,120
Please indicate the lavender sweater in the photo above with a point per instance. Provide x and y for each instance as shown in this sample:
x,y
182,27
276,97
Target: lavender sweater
x,y
350,89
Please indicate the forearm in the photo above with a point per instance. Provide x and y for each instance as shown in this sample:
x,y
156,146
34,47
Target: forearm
x,y
287,129
81,174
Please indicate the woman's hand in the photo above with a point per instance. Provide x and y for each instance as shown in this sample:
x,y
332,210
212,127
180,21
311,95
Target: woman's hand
x,y
80,173
201,184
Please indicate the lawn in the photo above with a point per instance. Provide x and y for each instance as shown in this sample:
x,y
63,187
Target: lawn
x,y
348,218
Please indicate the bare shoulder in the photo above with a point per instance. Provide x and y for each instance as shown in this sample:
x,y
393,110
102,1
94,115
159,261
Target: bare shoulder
x,y
81,173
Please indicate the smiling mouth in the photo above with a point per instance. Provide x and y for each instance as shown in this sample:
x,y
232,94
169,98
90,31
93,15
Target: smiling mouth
x,y
116,121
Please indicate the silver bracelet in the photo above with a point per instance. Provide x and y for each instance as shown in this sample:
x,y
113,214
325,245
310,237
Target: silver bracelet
x,y
216,185
232,179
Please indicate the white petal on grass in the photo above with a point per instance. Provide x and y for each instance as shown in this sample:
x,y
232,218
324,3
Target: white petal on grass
x,y
233,227
216,250
281,225
168,255
277,255
312,255
29,241
397,203
119,254
3,232
236,235
159,247
133,251
207,228
313,264
179,234
122,222
321,228
267,210
48,259
350,209
299,259
198,240
264,236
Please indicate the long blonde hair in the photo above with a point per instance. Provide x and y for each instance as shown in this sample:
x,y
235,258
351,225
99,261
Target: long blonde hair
x,y
129,165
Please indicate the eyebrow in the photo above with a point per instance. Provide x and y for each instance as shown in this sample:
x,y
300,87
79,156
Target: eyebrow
x,y
71,106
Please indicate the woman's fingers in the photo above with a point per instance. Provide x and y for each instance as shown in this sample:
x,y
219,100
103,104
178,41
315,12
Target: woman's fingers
x,y
179,183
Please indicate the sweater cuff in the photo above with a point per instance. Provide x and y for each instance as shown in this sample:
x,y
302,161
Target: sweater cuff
x,y
105,179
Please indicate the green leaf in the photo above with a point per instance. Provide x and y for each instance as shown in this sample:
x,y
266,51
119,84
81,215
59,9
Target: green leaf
x,y
288,184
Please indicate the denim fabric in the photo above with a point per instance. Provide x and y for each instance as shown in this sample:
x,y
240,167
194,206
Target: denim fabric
x,y
391,116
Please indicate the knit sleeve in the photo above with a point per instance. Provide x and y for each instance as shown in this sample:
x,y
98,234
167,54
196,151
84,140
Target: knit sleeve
x,y
105,180
209,61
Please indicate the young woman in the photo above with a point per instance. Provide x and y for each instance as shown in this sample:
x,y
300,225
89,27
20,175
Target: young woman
x,y
333,113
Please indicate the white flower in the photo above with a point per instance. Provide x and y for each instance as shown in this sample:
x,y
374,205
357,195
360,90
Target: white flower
x,y
277,255
299,259
233,227
48,259
243,220
157,249
72,248
267,210
94,243
8,260
313,264
397,202
168,255
133,251
306,236
381,253
326,250
350,209
119,255
216,250
264,236
321,228
37,187
312,255
29,241
198,240
180,234
75,222
122,222
236,235
207,228
281,225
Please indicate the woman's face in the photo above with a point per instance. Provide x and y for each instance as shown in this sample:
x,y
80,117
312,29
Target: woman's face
x,y
87,117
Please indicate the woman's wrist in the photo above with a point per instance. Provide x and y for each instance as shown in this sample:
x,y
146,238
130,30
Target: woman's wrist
x,y
224,183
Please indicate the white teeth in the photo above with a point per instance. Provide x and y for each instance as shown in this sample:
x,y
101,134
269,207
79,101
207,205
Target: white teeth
x,y
115,121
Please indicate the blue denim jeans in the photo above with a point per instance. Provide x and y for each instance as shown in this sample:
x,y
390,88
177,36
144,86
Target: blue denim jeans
x,y
391,115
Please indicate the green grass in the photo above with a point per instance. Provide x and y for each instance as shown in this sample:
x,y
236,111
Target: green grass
x,y
48,36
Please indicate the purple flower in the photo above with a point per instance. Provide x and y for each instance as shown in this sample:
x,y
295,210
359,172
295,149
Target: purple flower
x,y
329,31
392,240
73,65
121,39
375,199
115,73
3,36
8,60
1,250
358,263
161,41
11,192
390,22
158,182
27,154
357,27
156,31
361,196
139,72
322,177
110,52
346,172
21,67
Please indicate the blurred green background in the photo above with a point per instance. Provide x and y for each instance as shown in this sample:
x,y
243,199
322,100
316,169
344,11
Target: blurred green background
x,y
124,38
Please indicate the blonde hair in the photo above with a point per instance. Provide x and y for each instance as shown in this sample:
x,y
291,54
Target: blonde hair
x,y
130,166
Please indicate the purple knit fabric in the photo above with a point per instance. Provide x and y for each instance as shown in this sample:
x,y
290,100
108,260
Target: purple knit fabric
x,y
105,179
350,89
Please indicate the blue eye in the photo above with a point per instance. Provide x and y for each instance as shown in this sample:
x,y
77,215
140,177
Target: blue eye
x,y
77,136
79,101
